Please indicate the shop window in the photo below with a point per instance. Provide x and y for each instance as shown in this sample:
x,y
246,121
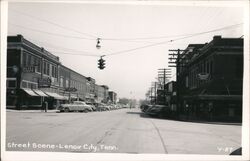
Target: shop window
x,y
29,85
24,84
34,86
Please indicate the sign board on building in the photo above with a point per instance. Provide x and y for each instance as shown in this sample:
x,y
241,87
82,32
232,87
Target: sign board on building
x,y
29,69
44,82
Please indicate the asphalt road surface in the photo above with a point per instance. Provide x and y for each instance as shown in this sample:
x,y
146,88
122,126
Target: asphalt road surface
x,y
118,131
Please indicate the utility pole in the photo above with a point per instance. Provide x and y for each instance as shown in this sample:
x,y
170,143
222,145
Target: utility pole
x,y
176,59
151,94
165,74
154,87
155,92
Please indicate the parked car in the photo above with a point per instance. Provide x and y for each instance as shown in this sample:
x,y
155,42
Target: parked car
x,y
79,106
101,107
112,106
125,106
144,107
118,106
156,110
91,105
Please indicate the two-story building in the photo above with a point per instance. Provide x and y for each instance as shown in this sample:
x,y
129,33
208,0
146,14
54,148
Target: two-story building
x,y
32,75
210,78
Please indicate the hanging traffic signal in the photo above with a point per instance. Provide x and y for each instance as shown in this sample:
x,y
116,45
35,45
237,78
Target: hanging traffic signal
x,y
101,63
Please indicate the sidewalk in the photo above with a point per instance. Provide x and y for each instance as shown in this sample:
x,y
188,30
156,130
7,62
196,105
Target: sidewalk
x,y
213,122
33,111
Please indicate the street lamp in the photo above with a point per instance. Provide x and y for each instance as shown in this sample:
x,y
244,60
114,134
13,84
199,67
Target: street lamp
x,y
98,46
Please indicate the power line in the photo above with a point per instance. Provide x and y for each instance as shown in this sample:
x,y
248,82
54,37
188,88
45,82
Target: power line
x,y
50,33
68,36
169,36
60,47
70,53
154,44
164,42
112,39
55,24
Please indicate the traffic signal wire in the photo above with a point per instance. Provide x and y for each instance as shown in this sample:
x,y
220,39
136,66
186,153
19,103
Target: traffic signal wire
x,y
70,53
170,41
142,47
53,23
103,38
50,33
69,36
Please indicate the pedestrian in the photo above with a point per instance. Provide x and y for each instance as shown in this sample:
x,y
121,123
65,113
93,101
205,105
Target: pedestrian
x,y
44,106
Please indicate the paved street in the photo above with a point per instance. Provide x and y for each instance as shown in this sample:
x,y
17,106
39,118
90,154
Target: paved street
x,y
118,131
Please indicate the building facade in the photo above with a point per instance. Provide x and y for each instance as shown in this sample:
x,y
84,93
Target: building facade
x,y
112,97
35,75
106,93
32,75
209,80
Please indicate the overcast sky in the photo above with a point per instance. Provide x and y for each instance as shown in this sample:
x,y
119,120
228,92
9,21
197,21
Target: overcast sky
x,y
73,28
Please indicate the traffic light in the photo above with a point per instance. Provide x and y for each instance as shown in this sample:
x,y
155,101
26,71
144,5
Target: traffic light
x,y
101,63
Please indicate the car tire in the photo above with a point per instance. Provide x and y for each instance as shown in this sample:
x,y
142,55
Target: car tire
x,y
66,109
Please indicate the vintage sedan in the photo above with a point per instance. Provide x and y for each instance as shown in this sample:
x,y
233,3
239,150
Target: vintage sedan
x,y
91,105
156,110
101,107
78,106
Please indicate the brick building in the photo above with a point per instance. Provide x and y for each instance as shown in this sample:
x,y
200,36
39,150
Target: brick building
x,y
209,80
35,75
32,75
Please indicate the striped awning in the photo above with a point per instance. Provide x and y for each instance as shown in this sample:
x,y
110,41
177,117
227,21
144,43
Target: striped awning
x,y
55,95
29,92
40,93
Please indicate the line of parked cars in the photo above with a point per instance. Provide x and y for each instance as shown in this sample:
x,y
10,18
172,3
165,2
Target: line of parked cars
x,y
80,106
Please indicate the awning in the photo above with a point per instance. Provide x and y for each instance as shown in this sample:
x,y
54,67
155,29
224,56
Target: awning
x,y
29,92
55,95
40,93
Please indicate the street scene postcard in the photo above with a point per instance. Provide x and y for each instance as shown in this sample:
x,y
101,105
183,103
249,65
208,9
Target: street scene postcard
x,y
125,80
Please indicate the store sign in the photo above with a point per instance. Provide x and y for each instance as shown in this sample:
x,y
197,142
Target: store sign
x,y
29,69
44,82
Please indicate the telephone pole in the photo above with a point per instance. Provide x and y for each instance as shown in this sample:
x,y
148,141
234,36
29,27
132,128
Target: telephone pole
x,y
154,86
165,75
176,60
